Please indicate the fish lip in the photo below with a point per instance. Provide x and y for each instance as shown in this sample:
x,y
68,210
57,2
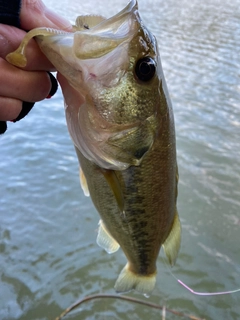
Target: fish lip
x,y
106,36
131,8
88,72
111,38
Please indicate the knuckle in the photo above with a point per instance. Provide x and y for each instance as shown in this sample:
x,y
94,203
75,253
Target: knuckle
x,y
41,87
34,5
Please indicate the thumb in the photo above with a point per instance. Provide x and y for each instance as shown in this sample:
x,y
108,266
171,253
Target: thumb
x,y
35,14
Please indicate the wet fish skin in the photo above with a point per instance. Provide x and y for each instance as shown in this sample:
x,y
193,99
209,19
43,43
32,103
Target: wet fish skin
x,y
124,136
149,187
149,192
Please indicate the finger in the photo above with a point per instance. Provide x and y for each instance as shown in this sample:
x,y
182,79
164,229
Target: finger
x,y
23,85
9,108
35,14
11,37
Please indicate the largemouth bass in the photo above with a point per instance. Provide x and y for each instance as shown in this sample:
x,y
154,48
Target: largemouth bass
x,y
121,123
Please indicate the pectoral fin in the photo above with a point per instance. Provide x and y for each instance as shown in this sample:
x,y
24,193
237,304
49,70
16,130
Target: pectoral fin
x,y
172,243
115,186
105,240
83,182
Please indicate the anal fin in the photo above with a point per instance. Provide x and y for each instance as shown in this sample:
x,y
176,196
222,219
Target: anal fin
x,y
105,240
171,245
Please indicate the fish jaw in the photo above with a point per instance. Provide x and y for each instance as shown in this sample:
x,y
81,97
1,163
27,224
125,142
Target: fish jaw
x,y
98,63
137,200
81,50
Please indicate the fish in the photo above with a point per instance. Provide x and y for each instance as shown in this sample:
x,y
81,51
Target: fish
x,y
121,122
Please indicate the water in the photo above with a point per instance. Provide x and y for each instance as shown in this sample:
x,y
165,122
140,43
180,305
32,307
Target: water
x,y
48,254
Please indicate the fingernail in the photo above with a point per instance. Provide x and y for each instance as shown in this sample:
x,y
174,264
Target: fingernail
x,y
3,126
54,86
26,107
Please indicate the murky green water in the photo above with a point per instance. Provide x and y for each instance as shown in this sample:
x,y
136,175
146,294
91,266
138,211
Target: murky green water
x,y
48,254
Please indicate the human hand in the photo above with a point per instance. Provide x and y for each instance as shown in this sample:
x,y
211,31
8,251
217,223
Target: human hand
x,y
31,83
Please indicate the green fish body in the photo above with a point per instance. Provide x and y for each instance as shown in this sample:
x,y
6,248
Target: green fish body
x,y
121,123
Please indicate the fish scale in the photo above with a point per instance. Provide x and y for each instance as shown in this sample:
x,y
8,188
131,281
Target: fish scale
x,y
143,203
120,119
123,103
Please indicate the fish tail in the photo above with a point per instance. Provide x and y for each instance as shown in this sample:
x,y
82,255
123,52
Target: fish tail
x,y
129,280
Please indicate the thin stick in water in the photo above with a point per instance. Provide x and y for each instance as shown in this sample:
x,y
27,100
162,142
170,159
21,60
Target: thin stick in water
x,y
126,298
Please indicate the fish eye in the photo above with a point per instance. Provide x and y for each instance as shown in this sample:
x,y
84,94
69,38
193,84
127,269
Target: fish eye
x,y
145,69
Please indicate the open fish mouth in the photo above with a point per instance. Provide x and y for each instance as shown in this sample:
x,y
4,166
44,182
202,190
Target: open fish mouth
x,y
94,58
120,119
97,58
98,47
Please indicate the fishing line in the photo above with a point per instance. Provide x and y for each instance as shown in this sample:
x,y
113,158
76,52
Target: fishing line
x,y
200,293
206,293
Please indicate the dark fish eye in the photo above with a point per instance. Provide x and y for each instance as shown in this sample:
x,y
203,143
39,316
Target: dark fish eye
x,y
145,69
